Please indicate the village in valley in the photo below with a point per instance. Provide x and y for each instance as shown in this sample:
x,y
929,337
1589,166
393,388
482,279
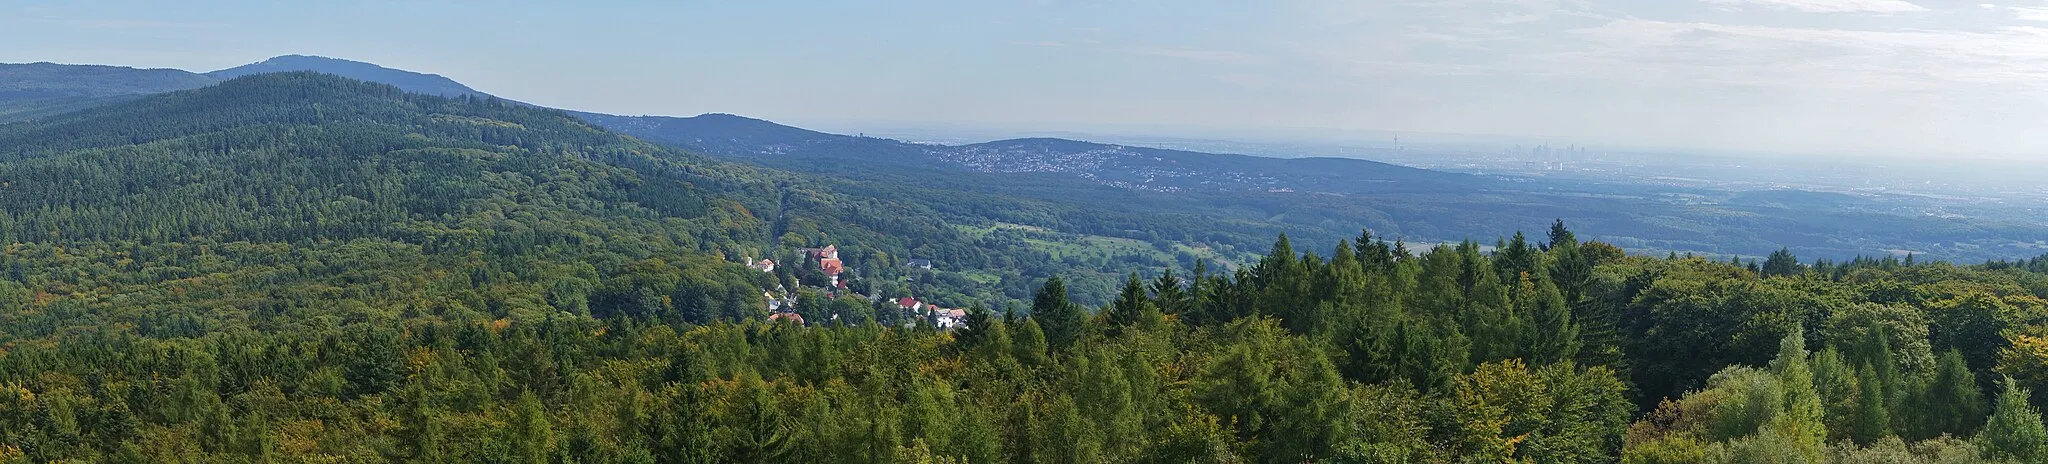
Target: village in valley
x,y
818,288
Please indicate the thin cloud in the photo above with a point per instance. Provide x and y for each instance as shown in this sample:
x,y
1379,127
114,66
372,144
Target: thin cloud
x,y
123,24
1828,6
2009,59
1212,56
2030,13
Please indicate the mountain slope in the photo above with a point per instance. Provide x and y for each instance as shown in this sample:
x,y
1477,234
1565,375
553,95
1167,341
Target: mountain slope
x,y
430,84
1184,200
1176,170
34,90
718,133
265,190
50,80
310,157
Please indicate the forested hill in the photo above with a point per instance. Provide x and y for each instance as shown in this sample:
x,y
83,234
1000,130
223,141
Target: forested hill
x,y
304,268
250,200
716,133
1124,167
315,157
430,84
227,187
1072,197
44,89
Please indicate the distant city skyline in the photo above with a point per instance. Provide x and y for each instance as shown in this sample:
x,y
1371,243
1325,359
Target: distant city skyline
x,y
1890,78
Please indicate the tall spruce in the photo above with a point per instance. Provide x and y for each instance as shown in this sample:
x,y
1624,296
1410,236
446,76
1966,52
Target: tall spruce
x,y
1949,402
1835,381
1561,236
1872,419
1515,258
1061,319
1133,309
1781,263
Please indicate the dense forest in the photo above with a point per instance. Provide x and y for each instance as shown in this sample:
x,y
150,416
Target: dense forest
x,y
301,268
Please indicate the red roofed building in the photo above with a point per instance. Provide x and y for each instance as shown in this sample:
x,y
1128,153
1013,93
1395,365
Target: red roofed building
x,y
832,268
909,303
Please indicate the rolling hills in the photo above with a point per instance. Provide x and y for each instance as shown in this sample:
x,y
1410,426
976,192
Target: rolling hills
x,y
298,266
1236,202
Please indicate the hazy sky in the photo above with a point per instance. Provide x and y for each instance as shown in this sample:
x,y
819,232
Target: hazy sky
x,y
1922,77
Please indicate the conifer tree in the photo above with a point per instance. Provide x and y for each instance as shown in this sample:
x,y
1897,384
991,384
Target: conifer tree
x,y
1836,384
1554,337
1515,258
1781,263
1060,318
2014,431
1950,403
1169,295
1872,419
1133,308
1561,236
976,329
1801,425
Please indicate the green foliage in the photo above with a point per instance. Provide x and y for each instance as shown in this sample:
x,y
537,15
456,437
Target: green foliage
x,y
1872,419
307,269
2014,431
1781,263
1134,309
1950,403
1062,320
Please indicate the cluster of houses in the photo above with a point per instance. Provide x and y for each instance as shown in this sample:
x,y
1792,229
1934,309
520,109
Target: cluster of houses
x,y
943,318
783,308
829,263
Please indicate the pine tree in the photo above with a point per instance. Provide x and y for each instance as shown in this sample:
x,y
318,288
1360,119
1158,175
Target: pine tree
x,y
1554,336
1950,403
1560,236
1133,308
2014,431
1167,292
1516,258
1498,332
1836,384
1281,282
1061,319
1570,271
1781,263
976,329
422,436
1872,419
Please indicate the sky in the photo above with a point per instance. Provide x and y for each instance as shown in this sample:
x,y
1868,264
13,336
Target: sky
x,y
1932,79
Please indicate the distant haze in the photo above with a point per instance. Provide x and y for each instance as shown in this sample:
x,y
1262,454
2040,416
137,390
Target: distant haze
x,y
1915,78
